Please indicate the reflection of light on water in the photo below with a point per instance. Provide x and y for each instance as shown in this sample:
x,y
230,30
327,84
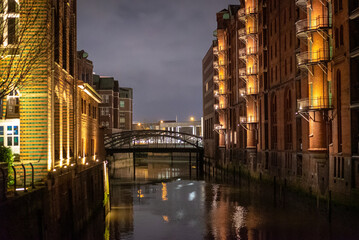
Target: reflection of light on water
x,y
178,179
179,186
215,195
239,219
167,173
190,184
164,192
165,218
191,196
139,194
179,214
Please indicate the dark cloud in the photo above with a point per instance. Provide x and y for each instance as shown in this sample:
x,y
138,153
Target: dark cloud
x,y
154,46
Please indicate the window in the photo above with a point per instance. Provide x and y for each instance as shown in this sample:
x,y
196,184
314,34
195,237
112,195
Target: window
x,y
11,18
122,120
106,98
122,104
10,134
339,115
336,38
341,35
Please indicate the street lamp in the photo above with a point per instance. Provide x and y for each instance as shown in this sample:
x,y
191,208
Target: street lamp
x,y
192,119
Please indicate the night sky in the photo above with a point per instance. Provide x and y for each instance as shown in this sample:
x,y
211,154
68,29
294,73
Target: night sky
x,y
154,46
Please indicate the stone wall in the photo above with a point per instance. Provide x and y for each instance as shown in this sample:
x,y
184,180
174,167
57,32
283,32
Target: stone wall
x,y
59,210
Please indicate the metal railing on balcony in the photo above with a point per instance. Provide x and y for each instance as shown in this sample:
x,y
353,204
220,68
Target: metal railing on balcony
x,y
242,92
219,106
215,50
301,3
249,119
242,33
252,70
215,65
251,10
242,14
252,50
222,63
321,22
309,58
242,53
219,92
242,72
252,90
219,127
312,104
252,30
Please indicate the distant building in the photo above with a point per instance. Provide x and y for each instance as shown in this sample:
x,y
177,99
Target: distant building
x,y
125,108
190,127
116,107
88,100
210,115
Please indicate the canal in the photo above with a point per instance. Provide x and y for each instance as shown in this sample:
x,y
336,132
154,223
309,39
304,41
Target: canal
x,y
167,202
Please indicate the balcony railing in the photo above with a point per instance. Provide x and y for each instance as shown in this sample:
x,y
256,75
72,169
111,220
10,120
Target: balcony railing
x,y
252,30
242,32
219,92
252,90
252,50
219,127
251,10
312,104
242,92
301,3
219,106
321,22
310,58
242,14
222,63
252,70
242,72
215,50
249,119
215,65
242,53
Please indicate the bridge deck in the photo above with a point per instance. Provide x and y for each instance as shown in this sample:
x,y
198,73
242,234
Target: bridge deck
x,y
154,150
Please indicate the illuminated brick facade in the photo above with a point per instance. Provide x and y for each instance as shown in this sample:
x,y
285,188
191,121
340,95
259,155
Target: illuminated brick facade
x,y
289,107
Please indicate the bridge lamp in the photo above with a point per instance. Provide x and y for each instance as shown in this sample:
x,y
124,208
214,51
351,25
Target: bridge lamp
x,y
161,121
192,119
139,124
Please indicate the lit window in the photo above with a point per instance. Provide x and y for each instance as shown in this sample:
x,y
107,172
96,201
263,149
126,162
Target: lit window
x,y
9,18
122,104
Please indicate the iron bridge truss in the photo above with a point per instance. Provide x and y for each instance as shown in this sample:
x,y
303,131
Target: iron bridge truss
x,y
152,139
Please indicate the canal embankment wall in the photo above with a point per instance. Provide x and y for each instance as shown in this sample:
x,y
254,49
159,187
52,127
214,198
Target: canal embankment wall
x,y
59,209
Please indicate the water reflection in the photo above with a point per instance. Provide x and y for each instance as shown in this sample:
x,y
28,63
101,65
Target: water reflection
x,y
180,208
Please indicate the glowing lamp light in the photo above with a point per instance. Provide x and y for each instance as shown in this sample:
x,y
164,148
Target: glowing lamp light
x,y
192,119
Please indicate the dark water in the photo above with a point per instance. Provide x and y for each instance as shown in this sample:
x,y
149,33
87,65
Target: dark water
x,y
166,204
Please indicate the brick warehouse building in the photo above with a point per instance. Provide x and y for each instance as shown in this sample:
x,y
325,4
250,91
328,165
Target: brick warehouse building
x,y
287,73
39,120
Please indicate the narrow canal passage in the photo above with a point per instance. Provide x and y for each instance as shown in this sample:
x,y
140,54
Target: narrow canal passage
x,y
164,203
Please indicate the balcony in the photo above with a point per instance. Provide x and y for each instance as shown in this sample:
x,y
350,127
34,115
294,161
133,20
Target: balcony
x,y
242,34
215,50
312,58
303,26
219,106
302,4
222,63
215,65
242,53
252,30
252,50
251,71
219,127
251,10
242,92
249,119
314,104
242,73
218,93
242,14
252,90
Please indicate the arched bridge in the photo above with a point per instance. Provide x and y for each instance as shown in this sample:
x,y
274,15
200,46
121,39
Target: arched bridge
x,y
152,141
